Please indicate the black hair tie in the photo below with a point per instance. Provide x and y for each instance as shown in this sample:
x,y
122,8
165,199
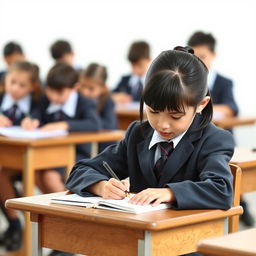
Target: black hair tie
x,y
186,49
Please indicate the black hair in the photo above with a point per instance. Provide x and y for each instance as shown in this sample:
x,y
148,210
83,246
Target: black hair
x,y
62,76
138,50
12,48
176,79
60,48
200,38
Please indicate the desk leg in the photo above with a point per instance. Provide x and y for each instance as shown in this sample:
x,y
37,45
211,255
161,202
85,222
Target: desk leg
x,y
144,246
36,248
95,149
72,159
28,177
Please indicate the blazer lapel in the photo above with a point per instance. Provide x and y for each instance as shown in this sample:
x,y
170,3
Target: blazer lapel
x,y
181,153
146,160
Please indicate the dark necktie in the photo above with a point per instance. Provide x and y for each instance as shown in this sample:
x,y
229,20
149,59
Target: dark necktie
x,y
166,149
59,116
13,112
137,91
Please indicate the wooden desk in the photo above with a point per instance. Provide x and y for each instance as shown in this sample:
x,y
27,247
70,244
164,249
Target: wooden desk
x,y
97,232
127,114
246,159
29,155
236,244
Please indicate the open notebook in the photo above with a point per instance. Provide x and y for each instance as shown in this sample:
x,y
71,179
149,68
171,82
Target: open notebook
x,y
107,204
18,132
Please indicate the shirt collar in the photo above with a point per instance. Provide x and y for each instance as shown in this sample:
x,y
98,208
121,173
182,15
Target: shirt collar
x,y
69,107
23,104
133,81
156,139
211,78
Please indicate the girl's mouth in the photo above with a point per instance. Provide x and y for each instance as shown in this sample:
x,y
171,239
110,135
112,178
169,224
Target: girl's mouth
x,y
165,134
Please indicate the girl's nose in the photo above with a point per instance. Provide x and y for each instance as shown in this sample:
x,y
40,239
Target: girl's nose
x,y
163,123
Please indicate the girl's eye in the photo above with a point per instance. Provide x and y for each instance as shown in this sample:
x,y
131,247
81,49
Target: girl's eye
x,y
153,111
176,117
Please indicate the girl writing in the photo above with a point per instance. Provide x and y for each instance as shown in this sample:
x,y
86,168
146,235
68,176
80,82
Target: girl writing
x,y
19,99
93,85
177,155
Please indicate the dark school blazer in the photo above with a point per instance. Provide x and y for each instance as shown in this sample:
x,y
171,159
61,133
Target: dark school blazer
x,y
33,109
85,119
222,93
197,171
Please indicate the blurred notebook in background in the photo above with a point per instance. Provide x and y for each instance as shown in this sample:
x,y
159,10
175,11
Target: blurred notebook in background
x,y
18,132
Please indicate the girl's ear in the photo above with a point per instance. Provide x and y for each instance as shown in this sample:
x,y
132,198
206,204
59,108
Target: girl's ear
x,y
202,104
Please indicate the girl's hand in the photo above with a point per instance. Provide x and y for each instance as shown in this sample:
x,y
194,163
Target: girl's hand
x,y
153,196
110,189
29,124
5,121
55,126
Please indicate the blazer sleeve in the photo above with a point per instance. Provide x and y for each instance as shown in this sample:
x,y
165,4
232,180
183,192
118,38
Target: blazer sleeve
x,y
90,171
108,115
87,119
214,188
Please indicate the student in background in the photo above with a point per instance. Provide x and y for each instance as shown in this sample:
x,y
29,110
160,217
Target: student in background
x,y
130,87
92,85
19,99
177,155
221,90
12,52
61,51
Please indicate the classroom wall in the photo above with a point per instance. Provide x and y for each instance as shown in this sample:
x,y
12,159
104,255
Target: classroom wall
x,y
101,30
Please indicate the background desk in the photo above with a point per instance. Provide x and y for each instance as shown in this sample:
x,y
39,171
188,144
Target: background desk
x,y
246,159
126,115
29,155
101,232
236,244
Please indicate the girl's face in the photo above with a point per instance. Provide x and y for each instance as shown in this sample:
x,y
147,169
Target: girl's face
x,y
18,84
90,88
171,124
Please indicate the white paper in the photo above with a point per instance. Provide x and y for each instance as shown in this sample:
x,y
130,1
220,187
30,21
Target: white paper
x,y
18,132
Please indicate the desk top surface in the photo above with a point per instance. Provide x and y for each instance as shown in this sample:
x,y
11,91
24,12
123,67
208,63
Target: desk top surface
x,y
157,220
244,157
71,138
239,243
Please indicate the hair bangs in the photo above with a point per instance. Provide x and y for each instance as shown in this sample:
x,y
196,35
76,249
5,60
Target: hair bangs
x,y
166,86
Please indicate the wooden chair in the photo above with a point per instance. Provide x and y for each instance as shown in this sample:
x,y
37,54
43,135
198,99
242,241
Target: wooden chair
x,y
233,221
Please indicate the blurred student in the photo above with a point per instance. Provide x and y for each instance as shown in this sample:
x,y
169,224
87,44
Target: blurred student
x,y
221,89
19,99
92,85
130,87
12,52
61,51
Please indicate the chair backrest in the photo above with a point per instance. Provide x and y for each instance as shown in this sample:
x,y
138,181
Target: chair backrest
x,y
233,221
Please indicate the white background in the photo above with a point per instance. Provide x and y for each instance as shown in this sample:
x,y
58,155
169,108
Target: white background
x,y
102,30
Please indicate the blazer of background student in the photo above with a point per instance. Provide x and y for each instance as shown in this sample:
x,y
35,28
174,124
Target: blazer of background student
x,y
108,119
222,92
85,119
197,171
123,85
32,111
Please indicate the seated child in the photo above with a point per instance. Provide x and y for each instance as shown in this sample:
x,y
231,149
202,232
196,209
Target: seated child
x,y
130,87
177,155
19,98
92,84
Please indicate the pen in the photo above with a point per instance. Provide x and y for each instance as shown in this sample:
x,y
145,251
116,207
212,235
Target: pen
x,y
112,173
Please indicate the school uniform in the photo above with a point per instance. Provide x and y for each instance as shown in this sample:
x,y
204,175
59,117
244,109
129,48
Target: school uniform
x,y
221,89
197,170
16,110
132,85
78,111
108,120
